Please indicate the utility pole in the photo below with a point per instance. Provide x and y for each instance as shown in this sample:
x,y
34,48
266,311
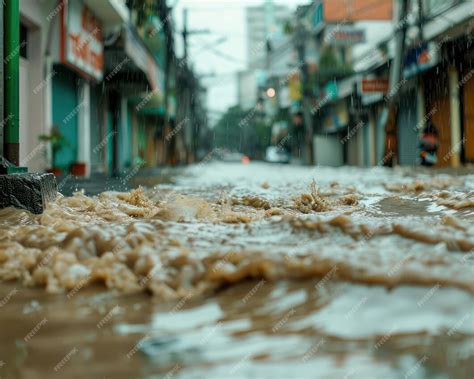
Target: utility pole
x,y
396,69
421,20
12,81
2,116
185,34
189,88
301,38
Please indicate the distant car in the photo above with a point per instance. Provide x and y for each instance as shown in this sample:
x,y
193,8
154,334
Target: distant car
x,y
275,154
232,157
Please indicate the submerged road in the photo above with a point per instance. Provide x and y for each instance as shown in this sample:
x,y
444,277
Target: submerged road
x,y
245,271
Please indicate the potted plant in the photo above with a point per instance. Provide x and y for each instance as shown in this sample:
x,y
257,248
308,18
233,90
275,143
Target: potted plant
x,y
56,141
78,169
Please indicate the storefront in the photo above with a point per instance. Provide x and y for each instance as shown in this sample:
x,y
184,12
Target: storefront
x,y
79,63
407,121
468,115
330,145
372,90
466,87
437,100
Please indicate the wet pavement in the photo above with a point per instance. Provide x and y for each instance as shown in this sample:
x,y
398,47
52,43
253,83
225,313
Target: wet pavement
x,y
245,271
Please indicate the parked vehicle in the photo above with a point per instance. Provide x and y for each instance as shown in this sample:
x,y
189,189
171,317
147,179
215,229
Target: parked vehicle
x,y
274,154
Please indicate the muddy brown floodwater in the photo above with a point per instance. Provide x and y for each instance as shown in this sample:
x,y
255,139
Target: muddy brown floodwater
x,y
245,271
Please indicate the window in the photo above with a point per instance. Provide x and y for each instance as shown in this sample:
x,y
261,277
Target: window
x,y
23,41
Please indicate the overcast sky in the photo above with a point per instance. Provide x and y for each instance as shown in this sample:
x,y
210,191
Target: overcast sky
x,y
225,18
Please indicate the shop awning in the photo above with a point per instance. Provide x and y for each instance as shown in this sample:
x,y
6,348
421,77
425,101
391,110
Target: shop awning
x,y
110,12
132,70
135,50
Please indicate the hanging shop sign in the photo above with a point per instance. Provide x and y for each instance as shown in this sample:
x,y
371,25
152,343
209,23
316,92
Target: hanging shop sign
x,y
337,119
357,10
295,87
331,91
317,19
378,85
82,46
135,49
344,35
421,59
433,8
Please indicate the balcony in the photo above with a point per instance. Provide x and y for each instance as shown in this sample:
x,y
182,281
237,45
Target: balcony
x,y
110,12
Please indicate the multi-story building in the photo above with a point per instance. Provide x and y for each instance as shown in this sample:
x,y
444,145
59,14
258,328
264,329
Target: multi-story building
x,y
265,28
265,24
95,85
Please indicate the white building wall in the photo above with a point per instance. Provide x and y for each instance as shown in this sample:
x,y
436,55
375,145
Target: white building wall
x,y
34,15
263,22
328,150
84,130
247,89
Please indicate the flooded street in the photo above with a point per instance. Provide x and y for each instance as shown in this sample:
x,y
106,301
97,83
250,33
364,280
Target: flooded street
x,y
245,271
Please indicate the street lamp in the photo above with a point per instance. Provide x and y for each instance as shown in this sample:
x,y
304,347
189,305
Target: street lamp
x,y
271,92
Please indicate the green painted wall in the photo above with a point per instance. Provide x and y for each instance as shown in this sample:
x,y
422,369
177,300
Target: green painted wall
x,y
128,142
125,141
142,138
110,143
65,115
97,145
366,147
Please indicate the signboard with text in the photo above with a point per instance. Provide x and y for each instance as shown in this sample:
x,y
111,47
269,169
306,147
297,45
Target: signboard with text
x,y
421,58
357,10
82,45
344,35
374,85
